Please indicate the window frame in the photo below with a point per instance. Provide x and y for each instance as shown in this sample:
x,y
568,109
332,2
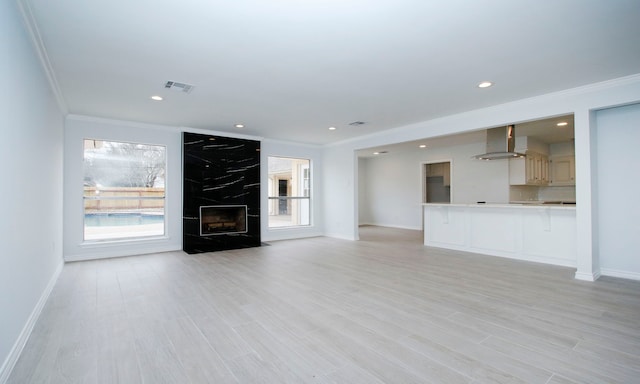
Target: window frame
x,y
305,191
140,199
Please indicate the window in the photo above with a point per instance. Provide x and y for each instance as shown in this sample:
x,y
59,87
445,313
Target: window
x,y
124,193
289,192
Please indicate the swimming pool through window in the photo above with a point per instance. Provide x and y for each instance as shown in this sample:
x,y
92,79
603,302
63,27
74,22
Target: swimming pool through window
x,y
124,190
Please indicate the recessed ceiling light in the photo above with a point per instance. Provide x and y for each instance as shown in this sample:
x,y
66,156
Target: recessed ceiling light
x,y
376,153
156,98
562,124
332,128
485,84
239,125
423,146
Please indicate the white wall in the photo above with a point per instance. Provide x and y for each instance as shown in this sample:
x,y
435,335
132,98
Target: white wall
x,y
394,191
473,180
341,169
618,172
285,149
31,193
394,182
78,128
340,190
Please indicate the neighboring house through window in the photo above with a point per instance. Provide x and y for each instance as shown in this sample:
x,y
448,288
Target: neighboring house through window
x,y
289,192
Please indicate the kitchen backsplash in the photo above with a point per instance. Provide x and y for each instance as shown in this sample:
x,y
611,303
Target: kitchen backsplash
x,y
535,193
557,193
523,193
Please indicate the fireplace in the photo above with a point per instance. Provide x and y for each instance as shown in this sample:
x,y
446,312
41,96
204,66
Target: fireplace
x,y
223,219
220,193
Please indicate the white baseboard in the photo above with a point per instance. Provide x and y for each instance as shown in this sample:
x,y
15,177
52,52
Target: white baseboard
x,y
586,276
276,235
13,356
341,236
508,255
105,253
391,226
620,274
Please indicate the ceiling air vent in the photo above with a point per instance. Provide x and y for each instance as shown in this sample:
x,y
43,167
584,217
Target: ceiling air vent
x,y
357,123
181,87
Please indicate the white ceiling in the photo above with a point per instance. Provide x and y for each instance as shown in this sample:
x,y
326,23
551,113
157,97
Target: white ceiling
x,y
289,69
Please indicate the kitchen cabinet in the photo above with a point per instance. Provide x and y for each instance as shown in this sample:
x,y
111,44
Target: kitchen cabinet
x,y
540,170
563,170
533,169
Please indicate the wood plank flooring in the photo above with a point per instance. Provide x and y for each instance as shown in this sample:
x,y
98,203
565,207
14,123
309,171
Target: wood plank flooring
x,y
384,309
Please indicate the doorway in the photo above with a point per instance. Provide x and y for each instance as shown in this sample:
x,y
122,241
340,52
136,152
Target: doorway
x,y
437,182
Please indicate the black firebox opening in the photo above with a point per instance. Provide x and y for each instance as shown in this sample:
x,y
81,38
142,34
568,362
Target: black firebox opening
x,y
223,219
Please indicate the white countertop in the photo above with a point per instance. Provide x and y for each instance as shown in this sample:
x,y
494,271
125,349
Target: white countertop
x,y
545,202
527,205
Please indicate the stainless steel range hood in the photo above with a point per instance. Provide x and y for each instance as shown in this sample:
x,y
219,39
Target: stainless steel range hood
x,y
501,144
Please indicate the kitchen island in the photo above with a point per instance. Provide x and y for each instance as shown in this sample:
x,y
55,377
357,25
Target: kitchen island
x,y
543,233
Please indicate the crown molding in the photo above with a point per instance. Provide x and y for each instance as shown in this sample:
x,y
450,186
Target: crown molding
x,y
160,127
293,143
220,133
126,123
36,38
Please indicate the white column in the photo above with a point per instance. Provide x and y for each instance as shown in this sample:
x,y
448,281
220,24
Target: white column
x,y
588,267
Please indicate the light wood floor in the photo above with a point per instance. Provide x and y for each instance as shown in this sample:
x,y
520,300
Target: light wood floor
x,y
381,310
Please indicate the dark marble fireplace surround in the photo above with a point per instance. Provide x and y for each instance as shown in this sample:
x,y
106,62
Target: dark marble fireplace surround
x,y
221,193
